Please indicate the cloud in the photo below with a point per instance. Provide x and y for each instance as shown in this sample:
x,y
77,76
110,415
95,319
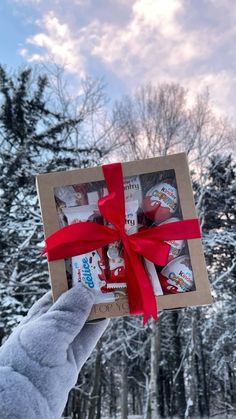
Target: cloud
x,y
138,41
152,30
56,44
158,14
221,86
31,57
152,42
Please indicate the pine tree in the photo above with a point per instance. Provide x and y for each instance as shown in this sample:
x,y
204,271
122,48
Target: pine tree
x,y
36,135
220,243
219,226
214,327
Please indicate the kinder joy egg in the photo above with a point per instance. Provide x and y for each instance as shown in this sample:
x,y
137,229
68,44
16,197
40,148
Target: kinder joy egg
x,y
177,276
160,202
176,246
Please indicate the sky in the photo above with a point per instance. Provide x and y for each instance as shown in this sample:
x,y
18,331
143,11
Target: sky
x,y
128,43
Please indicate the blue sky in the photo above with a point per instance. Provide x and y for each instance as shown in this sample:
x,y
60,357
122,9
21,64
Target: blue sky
x,y
128,42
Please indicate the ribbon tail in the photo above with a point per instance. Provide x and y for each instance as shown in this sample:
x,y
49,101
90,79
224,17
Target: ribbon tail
x,y
143,300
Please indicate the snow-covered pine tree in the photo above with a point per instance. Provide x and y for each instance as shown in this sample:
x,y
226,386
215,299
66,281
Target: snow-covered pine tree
x,y
219,227
38,134
209,332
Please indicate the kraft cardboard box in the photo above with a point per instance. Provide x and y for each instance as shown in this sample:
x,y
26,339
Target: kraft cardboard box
x,y
64,196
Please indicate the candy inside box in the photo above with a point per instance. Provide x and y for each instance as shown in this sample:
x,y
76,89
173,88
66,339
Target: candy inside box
x,y
152,197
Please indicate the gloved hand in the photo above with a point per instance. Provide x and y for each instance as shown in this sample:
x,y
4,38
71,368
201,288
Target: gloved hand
x,y
40,361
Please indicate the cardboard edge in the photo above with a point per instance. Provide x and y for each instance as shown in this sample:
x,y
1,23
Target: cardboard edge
x,y
176,162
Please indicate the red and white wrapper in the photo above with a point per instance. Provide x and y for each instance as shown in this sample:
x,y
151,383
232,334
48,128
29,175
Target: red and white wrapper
x,y
116,275
89,268
160,202
177,276
176,246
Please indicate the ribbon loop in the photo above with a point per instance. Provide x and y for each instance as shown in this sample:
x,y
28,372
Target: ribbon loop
x,y
112,206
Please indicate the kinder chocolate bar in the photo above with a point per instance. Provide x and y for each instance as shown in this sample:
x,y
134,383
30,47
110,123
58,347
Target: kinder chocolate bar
x,y
176,246
153,276
177,276
131,216
116,276
132,189
89,268
160,202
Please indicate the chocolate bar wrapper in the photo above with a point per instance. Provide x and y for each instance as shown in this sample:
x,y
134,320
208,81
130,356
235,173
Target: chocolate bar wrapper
x,y
132,189
89,268
153,276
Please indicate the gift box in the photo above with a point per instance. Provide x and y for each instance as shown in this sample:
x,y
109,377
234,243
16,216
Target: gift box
x,y
129,231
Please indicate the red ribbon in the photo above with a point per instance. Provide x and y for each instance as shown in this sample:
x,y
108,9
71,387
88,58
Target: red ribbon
x,y
80,238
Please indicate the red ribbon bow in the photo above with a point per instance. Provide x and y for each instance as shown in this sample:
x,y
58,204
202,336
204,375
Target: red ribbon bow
x,y
150,243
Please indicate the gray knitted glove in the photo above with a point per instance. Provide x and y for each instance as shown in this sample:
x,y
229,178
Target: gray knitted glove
x,y
40,361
